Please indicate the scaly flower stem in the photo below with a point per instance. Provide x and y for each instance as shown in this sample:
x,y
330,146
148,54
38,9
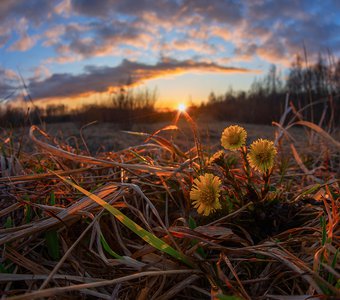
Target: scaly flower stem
x,y
246,166
265,189
252,191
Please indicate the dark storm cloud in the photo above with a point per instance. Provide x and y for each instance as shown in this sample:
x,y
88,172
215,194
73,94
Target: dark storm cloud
x,y
102,79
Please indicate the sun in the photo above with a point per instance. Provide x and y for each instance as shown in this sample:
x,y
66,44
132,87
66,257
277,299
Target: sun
x,y
182,107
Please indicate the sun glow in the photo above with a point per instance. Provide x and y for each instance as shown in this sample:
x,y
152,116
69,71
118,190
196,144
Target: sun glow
x,y
182,107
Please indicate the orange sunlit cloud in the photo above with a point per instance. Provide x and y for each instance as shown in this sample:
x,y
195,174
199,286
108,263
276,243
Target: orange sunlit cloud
x,y
105,79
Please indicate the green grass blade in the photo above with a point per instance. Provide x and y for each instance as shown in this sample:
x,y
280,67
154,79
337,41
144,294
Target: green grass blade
x,y
330,275
192,225
311,190
141,232
8,223
108,249
51,237
324,232
27,210
52,198
3,268
28,213
225,297
52,244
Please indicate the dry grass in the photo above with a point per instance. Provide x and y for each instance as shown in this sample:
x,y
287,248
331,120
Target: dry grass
x,y
57,242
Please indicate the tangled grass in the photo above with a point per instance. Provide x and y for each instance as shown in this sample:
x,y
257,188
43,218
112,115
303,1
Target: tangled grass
x,y
122,226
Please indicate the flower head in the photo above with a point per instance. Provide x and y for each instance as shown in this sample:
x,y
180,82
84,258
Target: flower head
x,y
216,158
261,155
205,194
233,137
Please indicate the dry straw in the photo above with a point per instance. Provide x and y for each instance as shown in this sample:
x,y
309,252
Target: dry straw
x,y
127,227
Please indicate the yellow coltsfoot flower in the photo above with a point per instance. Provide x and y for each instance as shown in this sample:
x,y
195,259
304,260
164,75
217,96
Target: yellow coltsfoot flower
x,y
205,194
233,137
261,155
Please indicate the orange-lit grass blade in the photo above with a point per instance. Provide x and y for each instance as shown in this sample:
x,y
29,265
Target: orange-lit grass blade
x,y
160,140
145,235
319,130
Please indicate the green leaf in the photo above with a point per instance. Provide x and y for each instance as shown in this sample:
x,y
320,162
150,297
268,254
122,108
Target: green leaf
x,y
108,249
51,237
324,232
27,209
8,223
225,297
338,284
192,223
52,198
311,190
331,275
3,268
52,244
137,229
28,213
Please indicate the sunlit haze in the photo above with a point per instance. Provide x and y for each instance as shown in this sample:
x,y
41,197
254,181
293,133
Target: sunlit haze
x,y
79,51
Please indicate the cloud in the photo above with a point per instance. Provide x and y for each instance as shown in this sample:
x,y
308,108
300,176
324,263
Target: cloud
x,y
189,45
20,16
223,11
105,8
4,39
75,31
258,23
53,35
34,10
245,51
8,83
41,73
24,43
95,38
221,32
63,8
104,79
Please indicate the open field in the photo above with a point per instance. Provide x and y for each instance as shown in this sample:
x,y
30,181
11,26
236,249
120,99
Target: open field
x,y
110,137
97,213
118,178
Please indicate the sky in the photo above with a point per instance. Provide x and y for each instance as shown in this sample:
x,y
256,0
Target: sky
x,y
80,51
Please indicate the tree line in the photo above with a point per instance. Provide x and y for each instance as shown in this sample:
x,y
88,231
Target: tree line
x,y
125,107
312,91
